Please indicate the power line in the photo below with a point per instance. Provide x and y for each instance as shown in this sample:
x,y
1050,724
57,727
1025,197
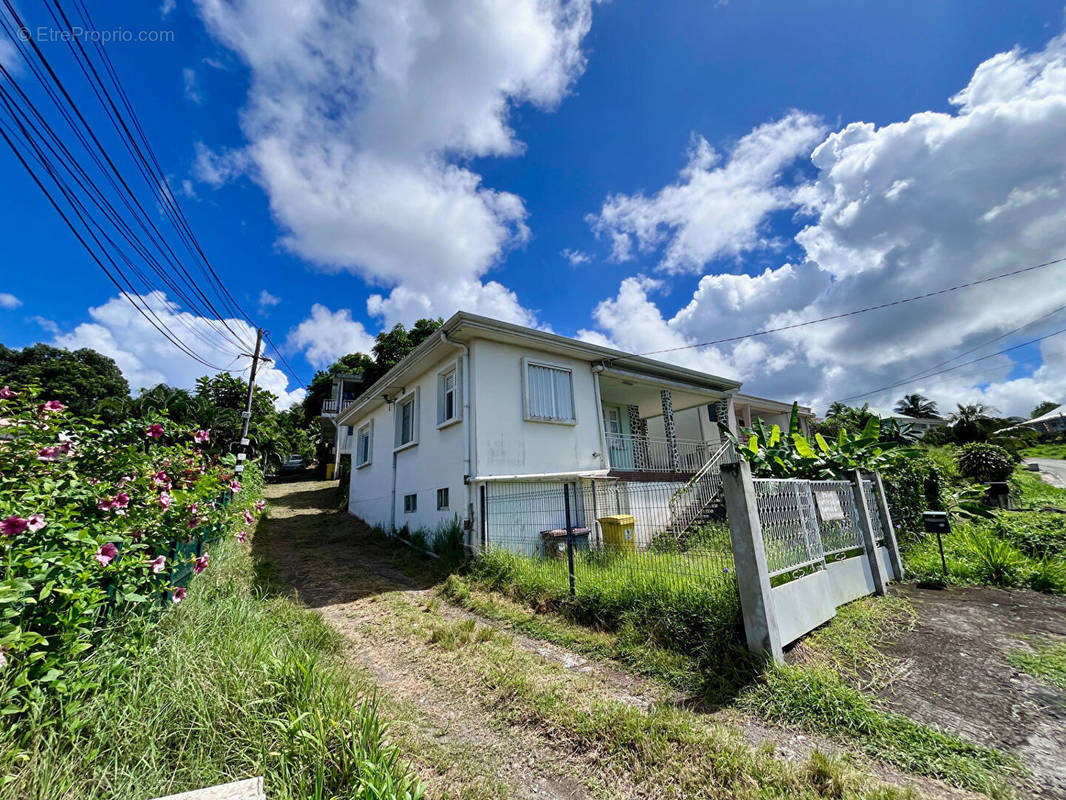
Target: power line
x,y
858,310
958,366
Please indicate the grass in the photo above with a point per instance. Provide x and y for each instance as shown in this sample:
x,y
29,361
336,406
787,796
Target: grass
x,y
233,683
677,751
1046,662
1046,451
1034,492
819,700
653,602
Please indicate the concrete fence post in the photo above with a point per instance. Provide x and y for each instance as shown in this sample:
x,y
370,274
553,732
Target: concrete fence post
x,y
749,557
890,530
866,524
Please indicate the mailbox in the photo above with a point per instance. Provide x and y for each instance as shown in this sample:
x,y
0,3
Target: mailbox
x,y
936,522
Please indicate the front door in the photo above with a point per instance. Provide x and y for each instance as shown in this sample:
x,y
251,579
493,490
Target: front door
x,y
619,442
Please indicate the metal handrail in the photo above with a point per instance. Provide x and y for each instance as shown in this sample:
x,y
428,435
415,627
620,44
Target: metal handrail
x,y
701,489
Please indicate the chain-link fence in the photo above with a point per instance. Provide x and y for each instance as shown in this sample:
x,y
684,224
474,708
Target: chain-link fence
x,y
611,533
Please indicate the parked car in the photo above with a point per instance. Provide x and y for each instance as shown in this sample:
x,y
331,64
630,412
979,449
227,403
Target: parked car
x,y
295,463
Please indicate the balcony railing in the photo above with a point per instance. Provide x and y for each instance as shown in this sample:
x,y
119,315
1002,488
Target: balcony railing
x,y
335,406
630,452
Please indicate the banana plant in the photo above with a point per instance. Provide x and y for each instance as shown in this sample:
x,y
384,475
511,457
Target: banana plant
x,y
775,455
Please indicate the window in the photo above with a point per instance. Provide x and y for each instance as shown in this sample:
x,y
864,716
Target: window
x,y
442,499
363,445
351,430
410,503
549,393
407,421
449,404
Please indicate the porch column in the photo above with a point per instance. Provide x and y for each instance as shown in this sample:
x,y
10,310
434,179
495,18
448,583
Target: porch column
x,y
667,400
638,428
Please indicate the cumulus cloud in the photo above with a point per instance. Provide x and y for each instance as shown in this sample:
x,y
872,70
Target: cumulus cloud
x,y
915,206
575,257
716,208
361,121
8,300
147,358
267,301
190,85
327,335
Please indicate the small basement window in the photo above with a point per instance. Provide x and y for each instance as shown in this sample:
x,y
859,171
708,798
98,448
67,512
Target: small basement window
x,y
442,499
410,503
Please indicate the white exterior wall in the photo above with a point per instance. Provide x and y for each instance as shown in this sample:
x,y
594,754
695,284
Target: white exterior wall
x,y
435,462
508,444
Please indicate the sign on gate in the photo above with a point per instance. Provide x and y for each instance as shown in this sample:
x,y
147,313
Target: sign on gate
x,y
829,506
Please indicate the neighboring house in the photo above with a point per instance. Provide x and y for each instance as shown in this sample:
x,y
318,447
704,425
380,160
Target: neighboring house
x,y
919,425
338,440
1052,421
489,403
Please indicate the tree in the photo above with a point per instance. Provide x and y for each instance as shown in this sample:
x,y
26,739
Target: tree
x,y
1044,408
80,379
918,406
841,416
321,386
971,423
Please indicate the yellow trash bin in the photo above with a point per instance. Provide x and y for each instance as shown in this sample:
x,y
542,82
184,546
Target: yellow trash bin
x,y
329,472
619,532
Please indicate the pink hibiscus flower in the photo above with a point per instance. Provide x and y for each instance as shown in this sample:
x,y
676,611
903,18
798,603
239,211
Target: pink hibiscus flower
x,y
106,504
155,430
248,516
48,454
122,500
202,436
242,535
201,564
178,595
7,393
235,486
13,525
106,554
158,564
260,505
164,500
35,522
51,405
161,481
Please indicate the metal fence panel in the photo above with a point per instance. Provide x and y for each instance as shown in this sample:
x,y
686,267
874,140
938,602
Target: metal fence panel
x,y
875,511
529,519
789,525
838,517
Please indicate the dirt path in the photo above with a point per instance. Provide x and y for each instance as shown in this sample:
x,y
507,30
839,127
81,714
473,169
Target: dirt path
x,y
378,594
953,673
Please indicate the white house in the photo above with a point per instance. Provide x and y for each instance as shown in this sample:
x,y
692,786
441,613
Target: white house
x,y
486,405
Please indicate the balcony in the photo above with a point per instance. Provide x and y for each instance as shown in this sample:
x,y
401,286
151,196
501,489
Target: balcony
x,y
632,453
330,408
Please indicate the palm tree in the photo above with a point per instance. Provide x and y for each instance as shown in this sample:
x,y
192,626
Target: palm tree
x,y
918,406
970,421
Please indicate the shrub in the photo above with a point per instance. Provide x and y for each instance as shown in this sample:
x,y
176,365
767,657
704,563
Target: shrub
x,y
1035,533
913,486
91,519
984,462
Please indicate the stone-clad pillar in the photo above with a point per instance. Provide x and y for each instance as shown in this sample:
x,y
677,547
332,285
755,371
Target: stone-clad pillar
x,y
638,429
667,400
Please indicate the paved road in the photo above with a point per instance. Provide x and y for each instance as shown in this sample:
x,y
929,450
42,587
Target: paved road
x,y
1053,467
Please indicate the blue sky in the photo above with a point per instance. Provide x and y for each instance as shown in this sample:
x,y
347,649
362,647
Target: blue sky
x,y
572,139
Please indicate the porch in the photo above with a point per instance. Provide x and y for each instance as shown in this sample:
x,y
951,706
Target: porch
x,y
645,438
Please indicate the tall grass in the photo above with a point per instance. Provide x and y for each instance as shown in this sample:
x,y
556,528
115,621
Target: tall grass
x,y
647,596
233,683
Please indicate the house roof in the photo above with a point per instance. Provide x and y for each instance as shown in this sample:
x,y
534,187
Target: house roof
x,y
776,405
463,327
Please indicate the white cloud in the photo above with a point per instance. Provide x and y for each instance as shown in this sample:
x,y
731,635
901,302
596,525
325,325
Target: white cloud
x,y
361,120
147,358
189,84
575,257
167,6
218,167
48,324
936,200
267,301
8,300
327,335
715,209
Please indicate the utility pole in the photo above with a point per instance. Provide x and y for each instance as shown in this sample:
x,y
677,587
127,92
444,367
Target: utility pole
x,y
246,416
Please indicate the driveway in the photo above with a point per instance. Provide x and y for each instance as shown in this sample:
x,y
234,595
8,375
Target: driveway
x,y
1053,470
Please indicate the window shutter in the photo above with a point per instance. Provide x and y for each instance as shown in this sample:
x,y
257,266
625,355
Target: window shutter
x,y
564,395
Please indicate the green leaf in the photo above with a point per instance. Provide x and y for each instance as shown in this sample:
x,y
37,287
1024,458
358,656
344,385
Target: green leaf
x,y
753,443
872,429
822,444
775,436
803,447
